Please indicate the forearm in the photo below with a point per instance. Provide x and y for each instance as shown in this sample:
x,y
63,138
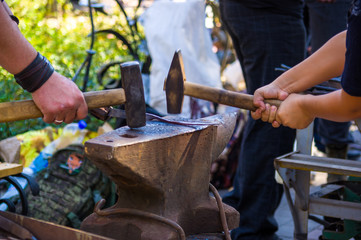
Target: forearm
x,y
15,51
324,64
336,106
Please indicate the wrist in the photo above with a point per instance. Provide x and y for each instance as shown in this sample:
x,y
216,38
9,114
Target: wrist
x,y
35,74
288,81
308,103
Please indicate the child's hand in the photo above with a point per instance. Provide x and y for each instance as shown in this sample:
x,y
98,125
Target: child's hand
x,y
267,112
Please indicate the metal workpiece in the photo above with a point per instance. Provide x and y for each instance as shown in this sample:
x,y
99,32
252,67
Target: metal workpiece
x,y
162,173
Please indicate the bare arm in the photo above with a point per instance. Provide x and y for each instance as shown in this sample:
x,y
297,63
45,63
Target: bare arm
x,y
326,63
58,98
15,51
298,111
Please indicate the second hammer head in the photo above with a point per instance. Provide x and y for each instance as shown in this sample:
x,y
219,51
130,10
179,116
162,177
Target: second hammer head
x,y
174,84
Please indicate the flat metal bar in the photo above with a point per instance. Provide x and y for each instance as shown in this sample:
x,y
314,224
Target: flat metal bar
x,y
329,165
326,191
333,161
335,208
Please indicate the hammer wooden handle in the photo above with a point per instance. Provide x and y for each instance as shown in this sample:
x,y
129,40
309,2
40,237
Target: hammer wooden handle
x,y
21,110
230,98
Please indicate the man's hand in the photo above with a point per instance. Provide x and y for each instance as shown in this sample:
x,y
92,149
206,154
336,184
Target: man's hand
x,y
60,100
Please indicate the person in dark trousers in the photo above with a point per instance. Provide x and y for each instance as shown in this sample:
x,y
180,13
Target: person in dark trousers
x,y
340,55
326,19
58,98
265,34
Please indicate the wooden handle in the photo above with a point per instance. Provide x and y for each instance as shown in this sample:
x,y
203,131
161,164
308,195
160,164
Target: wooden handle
x,y
230,98
21,110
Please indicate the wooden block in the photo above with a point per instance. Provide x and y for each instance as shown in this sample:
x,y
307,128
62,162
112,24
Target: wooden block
x,y
7,169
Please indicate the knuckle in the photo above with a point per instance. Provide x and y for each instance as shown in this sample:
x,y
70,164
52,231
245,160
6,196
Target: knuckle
x,y
47,119
68,121
67,105
79,97
82,115
254,115
51,112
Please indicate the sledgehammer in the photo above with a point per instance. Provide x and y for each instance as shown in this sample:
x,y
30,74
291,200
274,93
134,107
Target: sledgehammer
x,y
132,95
176,87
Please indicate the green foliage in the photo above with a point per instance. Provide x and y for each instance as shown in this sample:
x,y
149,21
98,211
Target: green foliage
x,y
60,33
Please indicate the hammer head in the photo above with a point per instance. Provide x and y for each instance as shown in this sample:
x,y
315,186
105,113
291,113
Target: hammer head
x,y
134,93
174,84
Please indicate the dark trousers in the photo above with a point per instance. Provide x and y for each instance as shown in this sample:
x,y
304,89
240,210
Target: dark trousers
x,y
263,40
325,21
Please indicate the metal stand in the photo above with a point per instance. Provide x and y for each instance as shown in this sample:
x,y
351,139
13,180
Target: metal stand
x,y
295,169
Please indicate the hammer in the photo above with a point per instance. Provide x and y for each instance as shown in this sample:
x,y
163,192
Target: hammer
x,y
132,95
176,87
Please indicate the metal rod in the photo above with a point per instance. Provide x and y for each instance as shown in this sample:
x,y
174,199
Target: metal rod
x,y
222,214
139,213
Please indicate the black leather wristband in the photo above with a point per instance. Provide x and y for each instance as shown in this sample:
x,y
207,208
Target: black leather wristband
x,y
35,74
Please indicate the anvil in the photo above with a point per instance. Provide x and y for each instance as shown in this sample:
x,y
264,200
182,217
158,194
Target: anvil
x,y
162,173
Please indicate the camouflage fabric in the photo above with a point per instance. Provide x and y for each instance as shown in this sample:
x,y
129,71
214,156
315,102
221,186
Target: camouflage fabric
x,y
67,196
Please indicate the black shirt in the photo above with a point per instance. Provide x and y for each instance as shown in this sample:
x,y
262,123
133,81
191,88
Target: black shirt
x,y
351,77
